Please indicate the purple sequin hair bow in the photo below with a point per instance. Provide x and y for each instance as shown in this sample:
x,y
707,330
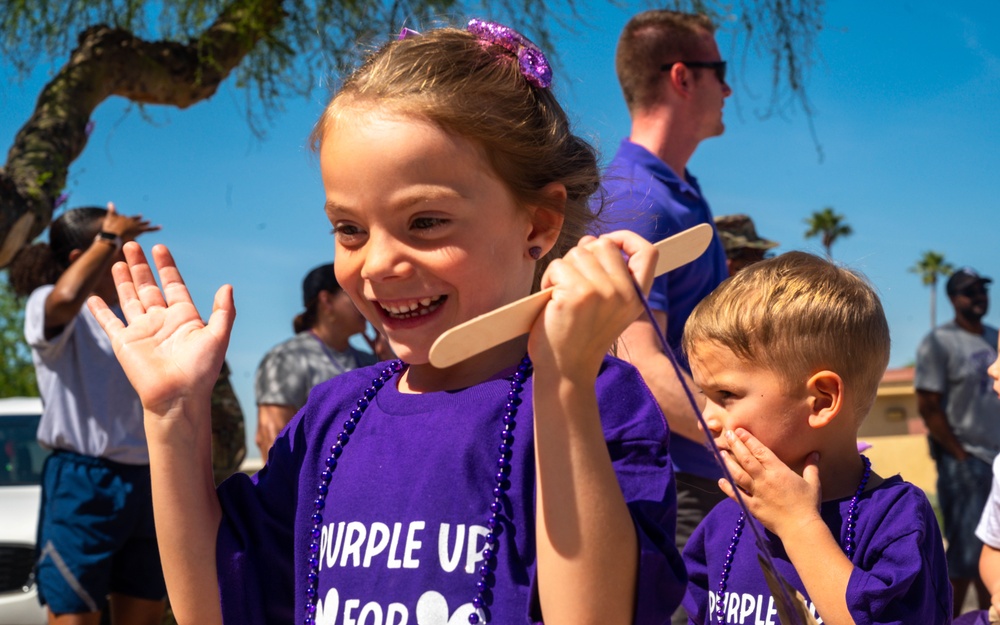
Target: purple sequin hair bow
x,y
530,59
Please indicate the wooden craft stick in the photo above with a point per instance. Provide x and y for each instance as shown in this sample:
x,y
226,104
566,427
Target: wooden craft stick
x,y
508,322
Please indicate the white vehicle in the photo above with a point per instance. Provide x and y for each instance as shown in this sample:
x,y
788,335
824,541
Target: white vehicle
x,y
21,460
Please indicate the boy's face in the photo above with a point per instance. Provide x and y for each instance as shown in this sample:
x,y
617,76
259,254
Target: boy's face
x,y
739,394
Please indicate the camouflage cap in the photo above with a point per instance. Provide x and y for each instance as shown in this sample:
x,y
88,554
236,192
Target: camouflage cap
x,y
737,231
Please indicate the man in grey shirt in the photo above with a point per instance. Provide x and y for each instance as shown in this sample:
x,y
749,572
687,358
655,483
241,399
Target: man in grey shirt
x,y
956,400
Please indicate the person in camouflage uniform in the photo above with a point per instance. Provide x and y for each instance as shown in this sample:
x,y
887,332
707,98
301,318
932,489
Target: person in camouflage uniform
x,y
743,246
229,446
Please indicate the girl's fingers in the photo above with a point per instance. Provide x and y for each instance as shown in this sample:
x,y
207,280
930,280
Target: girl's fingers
x,y
143,280
174,289
642,256
220,322
105,317
128,299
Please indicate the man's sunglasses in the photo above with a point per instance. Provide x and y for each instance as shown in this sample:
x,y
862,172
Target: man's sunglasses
x,y
975,290
718,66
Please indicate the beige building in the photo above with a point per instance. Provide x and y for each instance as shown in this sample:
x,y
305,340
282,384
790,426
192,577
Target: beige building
x,y
897,434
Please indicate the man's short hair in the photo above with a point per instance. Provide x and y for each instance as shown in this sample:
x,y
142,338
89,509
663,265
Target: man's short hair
x,y
798,314
650,40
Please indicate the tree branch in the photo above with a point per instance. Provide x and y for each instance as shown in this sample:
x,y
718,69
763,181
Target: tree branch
x,y
110,62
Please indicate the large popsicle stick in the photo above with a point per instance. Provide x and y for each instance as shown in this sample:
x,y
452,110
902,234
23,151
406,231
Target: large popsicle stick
x,y
507,322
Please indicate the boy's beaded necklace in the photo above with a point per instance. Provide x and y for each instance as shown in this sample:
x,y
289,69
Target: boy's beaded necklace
x,y
482,600
849,546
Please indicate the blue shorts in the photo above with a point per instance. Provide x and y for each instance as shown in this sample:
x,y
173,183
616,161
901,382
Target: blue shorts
x,y
95,534
963,489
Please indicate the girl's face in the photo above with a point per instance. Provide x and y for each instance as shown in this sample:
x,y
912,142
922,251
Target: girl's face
x,y
427,236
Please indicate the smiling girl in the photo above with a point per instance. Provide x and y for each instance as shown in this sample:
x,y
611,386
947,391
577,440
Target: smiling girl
x,y
529,482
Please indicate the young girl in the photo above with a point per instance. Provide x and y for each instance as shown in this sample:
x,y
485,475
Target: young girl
x,y
501,489
96,522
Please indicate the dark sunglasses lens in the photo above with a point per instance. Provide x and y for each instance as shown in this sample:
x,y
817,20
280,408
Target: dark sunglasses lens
x,y
720,71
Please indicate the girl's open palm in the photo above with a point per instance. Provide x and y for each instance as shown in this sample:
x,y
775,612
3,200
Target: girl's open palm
x,y
168,353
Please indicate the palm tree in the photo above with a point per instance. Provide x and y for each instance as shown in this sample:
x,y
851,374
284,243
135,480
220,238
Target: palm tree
x,y
930,266
829,225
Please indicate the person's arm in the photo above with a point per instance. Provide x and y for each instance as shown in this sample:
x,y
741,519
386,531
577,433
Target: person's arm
x,y
172,359
583,529
88,268
271,418
989,570
930,405
640,345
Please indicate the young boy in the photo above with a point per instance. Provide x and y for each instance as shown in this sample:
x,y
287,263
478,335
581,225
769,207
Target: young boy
x,y
789,354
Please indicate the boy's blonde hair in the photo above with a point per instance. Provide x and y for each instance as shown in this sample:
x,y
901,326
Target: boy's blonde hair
x,y
475,89
796,315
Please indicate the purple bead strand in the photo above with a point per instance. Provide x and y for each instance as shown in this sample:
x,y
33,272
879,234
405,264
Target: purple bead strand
x,y
483,598
852,511
312,557
720,603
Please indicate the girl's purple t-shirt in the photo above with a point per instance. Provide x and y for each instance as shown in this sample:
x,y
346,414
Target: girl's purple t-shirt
x,y
405,517
900,572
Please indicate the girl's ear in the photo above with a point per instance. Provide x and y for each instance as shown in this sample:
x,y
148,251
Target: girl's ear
x,y
826,398
547,218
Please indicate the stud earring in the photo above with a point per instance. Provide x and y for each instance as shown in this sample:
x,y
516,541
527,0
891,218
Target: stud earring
x,y
535,252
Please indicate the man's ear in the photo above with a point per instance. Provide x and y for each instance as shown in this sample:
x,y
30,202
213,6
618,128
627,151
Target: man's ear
x,y
680,79
74,254
547,218
826,398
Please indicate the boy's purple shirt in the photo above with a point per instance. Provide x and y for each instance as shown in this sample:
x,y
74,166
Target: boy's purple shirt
x,y
900,574
418,474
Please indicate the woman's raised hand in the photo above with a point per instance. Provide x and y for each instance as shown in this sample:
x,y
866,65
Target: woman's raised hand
x,y
128,227
168,353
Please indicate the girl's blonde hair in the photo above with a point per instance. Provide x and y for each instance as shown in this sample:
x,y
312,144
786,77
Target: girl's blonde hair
x,y
473,88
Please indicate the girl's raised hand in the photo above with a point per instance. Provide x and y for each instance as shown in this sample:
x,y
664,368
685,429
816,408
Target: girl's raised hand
x,y
168,353
594,300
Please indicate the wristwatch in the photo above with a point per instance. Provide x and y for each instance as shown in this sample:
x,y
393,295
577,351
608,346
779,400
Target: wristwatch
x,y
109,237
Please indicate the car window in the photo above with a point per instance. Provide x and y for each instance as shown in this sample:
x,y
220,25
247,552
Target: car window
x,y
21,457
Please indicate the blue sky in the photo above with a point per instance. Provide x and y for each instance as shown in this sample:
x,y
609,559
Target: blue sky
x,y
906,100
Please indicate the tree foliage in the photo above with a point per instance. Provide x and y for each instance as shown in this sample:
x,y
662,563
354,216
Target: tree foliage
x,y
929,267
18,379
829,226
178,52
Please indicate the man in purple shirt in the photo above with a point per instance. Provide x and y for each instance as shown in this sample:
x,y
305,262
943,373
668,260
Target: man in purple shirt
x,y
673,80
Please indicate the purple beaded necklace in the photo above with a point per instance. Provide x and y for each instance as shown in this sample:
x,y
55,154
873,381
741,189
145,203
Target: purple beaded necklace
x,y
481,602
849,546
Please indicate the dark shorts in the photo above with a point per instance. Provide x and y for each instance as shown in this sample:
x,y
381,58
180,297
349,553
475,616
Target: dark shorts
x,y
963,490
95,534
